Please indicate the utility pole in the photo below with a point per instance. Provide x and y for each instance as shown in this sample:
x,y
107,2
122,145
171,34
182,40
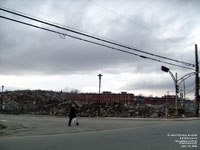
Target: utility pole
x,y
100,94
197,81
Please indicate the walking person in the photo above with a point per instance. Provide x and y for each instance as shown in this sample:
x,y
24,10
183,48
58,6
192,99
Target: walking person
x,y
72,115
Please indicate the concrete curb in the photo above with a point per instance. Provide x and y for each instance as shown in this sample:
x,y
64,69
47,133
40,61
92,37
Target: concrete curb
x,y
154,119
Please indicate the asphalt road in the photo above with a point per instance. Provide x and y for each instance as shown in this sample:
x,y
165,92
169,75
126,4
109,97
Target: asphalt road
x,y
116,134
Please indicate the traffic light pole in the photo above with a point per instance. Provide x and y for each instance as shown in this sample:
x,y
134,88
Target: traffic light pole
x,y
177,82
177,90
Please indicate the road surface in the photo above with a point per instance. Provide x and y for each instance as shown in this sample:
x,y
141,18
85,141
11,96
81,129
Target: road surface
x,y
99,134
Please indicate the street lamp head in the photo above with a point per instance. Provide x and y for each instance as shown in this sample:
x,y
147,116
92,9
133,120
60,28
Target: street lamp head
x,y
165,69
100,75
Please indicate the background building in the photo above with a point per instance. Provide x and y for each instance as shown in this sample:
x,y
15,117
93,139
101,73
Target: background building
x,y
106,97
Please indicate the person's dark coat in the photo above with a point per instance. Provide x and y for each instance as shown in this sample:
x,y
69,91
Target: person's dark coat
x,y
72,113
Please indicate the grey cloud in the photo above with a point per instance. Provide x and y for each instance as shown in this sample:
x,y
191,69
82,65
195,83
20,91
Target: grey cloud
x,y
158,82
149,83
30,50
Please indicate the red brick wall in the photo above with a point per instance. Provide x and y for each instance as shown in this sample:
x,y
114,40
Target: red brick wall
x,y
105,98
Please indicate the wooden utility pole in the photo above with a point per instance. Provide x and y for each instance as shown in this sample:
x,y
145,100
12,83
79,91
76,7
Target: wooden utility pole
x,y
197,81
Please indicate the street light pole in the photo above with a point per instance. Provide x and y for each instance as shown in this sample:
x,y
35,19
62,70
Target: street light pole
x,y
165,69
2,88
100,94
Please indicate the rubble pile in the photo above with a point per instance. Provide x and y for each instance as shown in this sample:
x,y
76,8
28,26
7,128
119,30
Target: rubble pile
x,y
59,103
37,101
121,110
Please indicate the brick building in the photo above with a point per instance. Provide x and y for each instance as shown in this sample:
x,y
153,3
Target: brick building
x,y
170,99
106,97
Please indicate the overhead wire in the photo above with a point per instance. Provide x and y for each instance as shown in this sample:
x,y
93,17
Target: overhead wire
x,y
130,20
89,41
62,36
112,11
93,37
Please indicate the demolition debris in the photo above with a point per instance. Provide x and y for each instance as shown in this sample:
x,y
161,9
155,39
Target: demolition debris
x,y
59,103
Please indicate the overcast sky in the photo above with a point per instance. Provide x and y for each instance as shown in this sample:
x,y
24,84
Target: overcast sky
x,y
35,59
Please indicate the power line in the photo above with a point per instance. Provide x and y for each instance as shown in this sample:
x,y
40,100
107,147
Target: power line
x,y
112,11
130,20
89,41
94,37
51,22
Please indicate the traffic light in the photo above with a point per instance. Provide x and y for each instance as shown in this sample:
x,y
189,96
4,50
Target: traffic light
x,y
177,89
